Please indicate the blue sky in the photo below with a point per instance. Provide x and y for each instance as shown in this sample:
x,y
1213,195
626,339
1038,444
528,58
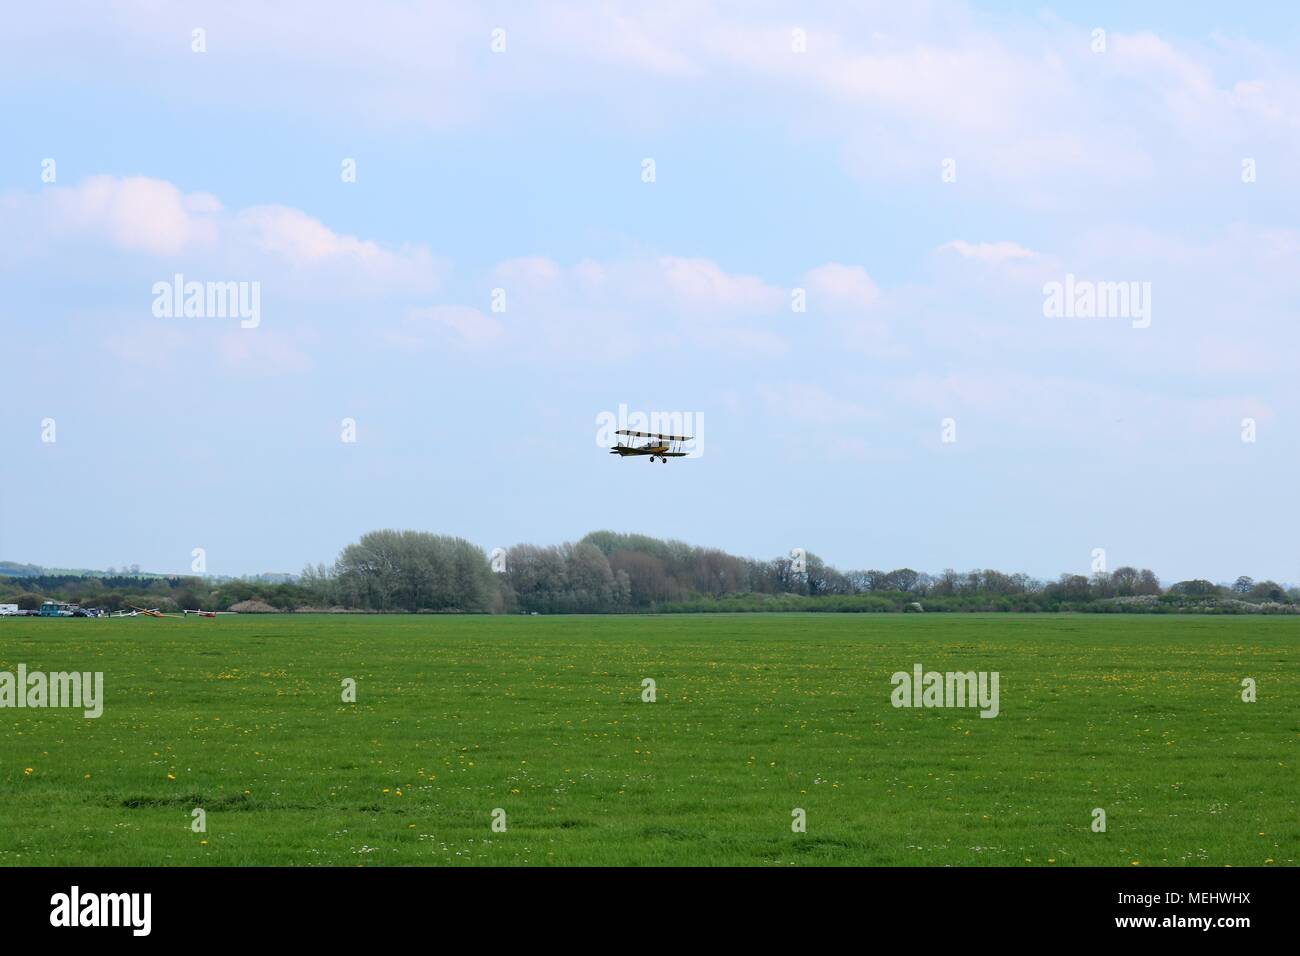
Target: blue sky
x,y
776,170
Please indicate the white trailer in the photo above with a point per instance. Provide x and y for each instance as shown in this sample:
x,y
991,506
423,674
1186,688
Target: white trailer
x,y
8,609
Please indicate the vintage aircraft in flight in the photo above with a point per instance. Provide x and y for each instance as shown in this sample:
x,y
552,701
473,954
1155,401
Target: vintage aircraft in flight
x,y
662,447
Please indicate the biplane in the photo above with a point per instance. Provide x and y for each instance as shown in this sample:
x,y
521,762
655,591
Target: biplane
x,y
662,447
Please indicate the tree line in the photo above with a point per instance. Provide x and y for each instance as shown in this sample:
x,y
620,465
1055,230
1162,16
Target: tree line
x,y
609,572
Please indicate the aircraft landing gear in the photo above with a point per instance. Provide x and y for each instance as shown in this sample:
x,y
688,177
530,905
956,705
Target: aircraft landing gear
x,y
652,458
664,460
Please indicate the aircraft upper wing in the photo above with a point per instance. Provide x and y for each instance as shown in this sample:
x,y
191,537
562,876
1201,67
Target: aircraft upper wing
x,y
625,431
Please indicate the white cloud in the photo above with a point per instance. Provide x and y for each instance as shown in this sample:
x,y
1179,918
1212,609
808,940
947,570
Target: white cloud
x,y
530,270
309,246
987,252
596,309
701,284
135,213
841,287
1022,100
457,323
154,218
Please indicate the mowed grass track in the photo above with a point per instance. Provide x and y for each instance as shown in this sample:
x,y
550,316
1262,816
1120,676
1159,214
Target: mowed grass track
x,y
756,715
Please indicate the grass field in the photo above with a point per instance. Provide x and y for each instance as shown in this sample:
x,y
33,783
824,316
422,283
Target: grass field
x,y
755,715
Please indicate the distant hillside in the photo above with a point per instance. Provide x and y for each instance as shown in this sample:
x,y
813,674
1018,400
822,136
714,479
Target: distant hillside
x,y
15,570
12,569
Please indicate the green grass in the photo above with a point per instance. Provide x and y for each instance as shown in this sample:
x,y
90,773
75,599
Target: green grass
x,y
756,715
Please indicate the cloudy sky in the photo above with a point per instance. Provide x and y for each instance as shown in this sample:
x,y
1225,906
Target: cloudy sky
x,y
915,175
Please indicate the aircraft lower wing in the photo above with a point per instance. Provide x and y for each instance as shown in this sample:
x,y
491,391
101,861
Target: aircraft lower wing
x,y
658,449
